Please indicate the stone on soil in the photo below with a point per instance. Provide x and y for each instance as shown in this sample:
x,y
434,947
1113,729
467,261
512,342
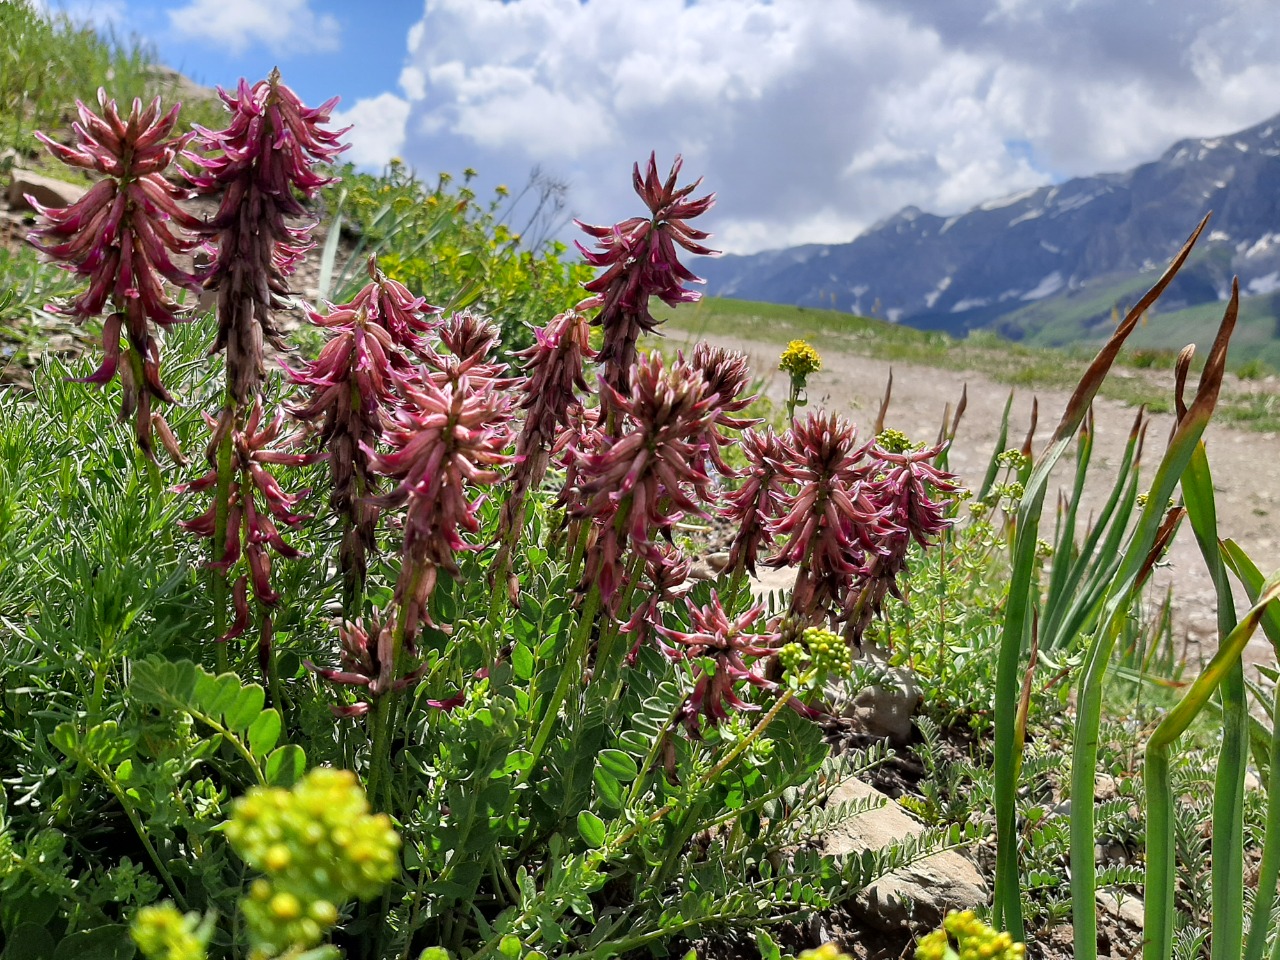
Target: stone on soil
x,y
44,190
916,896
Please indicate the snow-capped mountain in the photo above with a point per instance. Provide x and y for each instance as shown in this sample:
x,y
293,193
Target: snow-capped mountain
x,y
968,270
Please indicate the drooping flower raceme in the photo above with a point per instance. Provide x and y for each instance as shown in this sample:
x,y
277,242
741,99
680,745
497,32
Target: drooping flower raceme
x,y
447,440
652,473
367,660
904,488
729,644
259,164
351,386
470,339
257,505
123,235
667,573
640,261
405,317
553,384
830,522
727,375
754,506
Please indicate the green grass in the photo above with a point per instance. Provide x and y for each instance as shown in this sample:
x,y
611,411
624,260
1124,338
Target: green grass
x,y
831,330
48,62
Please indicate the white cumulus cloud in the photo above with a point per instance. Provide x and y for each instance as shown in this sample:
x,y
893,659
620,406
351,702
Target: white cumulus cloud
x,y
377,129
814,120
283,27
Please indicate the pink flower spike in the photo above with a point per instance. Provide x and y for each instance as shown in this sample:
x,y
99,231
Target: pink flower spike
x,y
729,644
122,236
259,164
639,260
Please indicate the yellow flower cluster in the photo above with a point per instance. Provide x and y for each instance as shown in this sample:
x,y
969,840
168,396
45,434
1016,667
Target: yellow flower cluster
x,y
163,932
828,951
895,441
974,940
319,847
800,360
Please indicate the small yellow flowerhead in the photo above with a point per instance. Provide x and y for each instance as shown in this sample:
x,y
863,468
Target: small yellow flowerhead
x,y
163,932
972,939
828,951
318,846
799,360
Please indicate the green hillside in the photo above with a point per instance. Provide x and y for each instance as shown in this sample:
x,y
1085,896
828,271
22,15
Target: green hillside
x,y
1023,364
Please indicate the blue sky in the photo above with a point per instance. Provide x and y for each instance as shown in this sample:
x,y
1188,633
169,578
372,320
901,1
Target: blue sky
x,y
811,119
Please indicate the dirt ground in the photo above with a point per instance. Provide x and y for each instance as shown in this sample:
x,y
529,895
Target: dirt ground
x,y
1245,464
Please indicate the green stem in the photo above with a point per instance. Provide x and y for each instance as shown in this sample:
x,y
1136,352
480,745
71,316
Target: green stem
x,y
573,667
379,760
1269,869
221,510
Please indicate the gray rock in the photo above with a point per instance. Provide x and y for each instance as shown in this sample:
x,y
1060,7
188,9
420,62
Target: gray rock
x,y
884,709
917,895
1127,908
45,190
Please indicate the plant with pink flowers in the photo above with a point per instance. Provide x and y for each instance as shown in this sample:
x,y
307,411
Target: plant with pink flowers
x,y
489,615
123,235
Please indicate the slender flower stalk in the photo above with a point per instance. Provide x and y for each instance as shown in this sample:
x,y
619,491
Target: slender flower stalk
x,y
123,236
256,506
639,260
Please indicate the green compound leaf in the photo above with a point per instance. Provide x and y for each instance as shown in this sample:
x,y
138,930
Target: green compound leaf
x,y
264,733
618,765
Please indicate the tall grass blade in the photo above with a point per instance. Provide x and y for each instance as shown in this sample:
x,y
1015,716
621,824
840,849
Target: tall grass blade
x,y
1008,899
1158,910
1267,898
1228,791
1119,600
1002,439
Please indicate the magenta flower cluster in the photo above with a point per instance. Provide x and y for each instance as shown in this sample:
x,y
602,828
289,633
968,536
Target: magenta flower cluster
x,y
415,414
258,165
126,235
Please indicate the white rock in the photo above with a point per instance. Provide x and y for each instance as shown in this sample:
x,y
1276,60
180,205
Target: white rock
x,y
1128,908
45,190
919,894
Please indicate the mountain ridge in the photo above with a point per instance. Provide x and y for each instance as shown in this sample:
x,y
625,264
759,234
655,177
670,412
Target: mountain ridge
x,y
977,269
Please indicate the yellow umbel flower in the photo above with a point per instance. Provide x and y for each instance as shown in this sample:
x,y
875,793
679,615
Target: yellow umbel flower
x,y
973,940
799,360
